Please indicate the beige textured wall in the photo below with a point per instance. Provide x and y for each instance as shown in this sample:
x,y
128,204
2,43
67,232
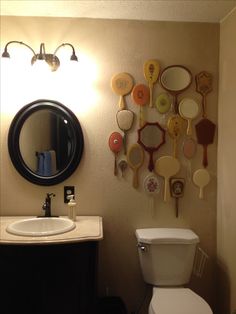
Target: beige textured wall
x,y
226,217
108,47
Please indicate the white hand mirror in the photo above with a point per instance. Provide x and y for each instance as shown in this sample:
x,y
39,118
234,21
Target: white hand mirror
x,y
125,120
189,110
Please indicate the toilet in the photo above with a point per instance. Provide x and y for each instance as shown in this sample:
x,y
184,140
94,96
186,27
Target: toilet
x,y
166,258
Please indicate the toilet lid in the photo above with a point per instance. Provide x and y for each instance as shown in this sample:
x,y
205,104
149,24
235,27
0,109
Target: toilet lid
x,y
178,301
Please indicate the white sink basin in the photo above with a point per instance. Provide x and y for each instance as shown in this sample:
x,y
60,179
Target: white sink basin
x,y
39,227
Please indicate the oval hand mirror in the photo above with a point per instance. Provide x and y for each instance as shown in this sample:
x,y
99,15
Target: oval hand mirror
x,y
175,79
163,103
141,96
189,110
115,144
45,142
122,84
125,120
151,137
135,159
189,148
189,151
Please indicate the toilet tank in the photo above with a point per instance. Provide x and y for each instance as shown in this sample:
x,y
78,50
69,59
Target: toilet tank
x,y
166,255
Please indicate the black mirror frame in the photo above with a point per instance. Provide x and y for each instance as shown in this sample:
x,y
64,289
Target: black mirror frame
x,y
14,147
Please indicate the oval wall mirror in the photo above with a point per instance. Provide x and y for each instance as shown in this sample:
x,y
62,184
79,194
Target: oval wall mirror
x,y
45,142
175,79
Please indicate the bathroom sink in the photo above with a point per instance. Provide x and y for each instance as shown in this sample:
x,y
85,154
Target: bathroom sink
x,y
39,227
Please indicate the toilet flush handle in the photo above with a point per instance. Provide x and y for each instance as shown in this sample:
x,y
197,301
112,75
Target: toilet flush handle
x,y
142,247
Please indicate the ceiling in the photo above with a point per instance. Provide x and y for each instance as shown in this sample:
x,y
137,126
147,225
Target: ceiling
x,y
212,11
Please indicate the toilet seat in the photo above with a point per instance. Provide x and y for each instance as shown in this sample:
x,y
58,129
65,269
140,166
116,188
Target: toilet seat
x,y
177,301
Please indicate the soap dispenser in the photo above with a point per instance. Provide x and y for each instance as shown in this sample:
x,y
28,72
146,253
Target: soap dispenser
x,y
72,207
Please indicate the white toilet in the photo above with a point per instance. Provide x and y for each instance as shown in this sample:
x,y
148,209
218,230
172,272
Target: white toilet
x,y
166,259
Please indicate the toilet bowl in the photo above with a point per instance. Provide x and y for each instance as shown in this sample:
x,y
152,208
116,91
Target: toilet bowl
x,y
177,301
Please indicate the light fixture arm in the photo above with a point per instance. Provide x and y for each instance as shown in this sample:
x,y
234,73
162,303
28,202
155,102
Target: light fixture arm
x,y
42,53
73,56
6,53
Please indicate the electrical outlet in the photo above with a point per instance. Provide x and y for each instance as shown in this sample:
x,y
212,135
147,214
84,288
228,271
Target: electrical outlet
x,y
68,190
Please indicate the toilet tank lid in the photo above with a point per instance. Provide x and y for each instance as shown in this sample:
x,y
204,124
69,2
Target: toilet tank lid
x,y
166,235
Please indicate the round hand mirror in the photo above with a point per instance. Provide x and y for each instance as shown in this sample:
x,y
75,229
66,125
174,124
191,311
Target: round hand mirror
x,y
175,79
45,142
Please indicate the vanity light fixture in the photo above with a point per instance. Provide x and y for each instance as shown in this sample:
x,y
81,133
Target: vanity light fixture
x,y
51,59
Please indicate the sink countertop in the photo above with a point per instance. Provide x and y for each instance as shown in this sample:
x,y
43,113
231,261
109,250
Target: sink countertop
x,y
88,228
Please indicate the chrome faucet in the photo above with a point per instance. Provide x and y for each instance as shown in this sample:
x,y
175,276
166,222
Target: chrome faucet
x,y
47,204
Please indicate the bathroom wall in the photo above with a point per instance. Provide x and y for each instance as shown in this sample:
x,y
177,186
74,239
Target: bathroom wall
x,y
104,48
226,216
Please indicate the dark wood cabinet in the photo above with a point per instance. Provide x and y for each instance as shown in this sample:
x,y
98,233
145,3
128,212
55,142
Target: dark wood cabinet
x,y
48,279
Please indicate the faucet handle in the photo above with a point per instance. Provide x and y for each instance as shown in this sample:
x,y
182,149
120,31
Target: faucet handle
x,y
49,195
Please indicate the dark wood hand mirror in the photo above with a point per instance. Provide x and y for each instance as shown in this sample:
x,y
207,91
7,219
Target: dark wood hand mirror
x,y
151,137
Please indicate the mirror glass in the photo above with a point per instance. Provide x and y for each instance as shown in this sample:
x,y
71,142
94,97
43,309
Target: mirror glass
x,y
135,156
151,136
45,142
176,78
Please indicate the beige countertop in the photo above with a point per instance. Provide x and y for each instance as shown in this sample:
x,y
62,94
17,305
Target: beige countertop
x,y
88,228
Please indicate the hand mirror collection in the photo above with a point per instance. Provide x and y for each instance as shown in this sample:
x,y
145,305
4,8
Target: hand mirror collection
x,y
175,80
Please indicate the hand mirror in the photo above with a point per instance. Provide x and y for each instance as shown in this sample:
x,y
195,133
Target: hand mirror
x,y
175,129
189,110
141,96
125,120
115,144
122,84
151,70
203,87
151,137
135,159
175,79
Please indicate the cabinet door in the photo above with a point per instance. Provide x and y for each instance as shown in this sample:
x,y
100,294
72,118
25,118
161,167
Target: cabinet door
x,y
48,279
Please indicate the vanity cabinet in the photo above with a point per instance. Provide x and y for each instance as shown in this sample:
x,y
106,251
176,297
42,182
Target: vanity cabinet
x,y
48,279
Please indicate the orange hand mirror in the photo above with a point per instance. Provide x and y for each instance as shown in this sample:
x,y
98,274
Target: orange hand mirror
x,y
141,96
